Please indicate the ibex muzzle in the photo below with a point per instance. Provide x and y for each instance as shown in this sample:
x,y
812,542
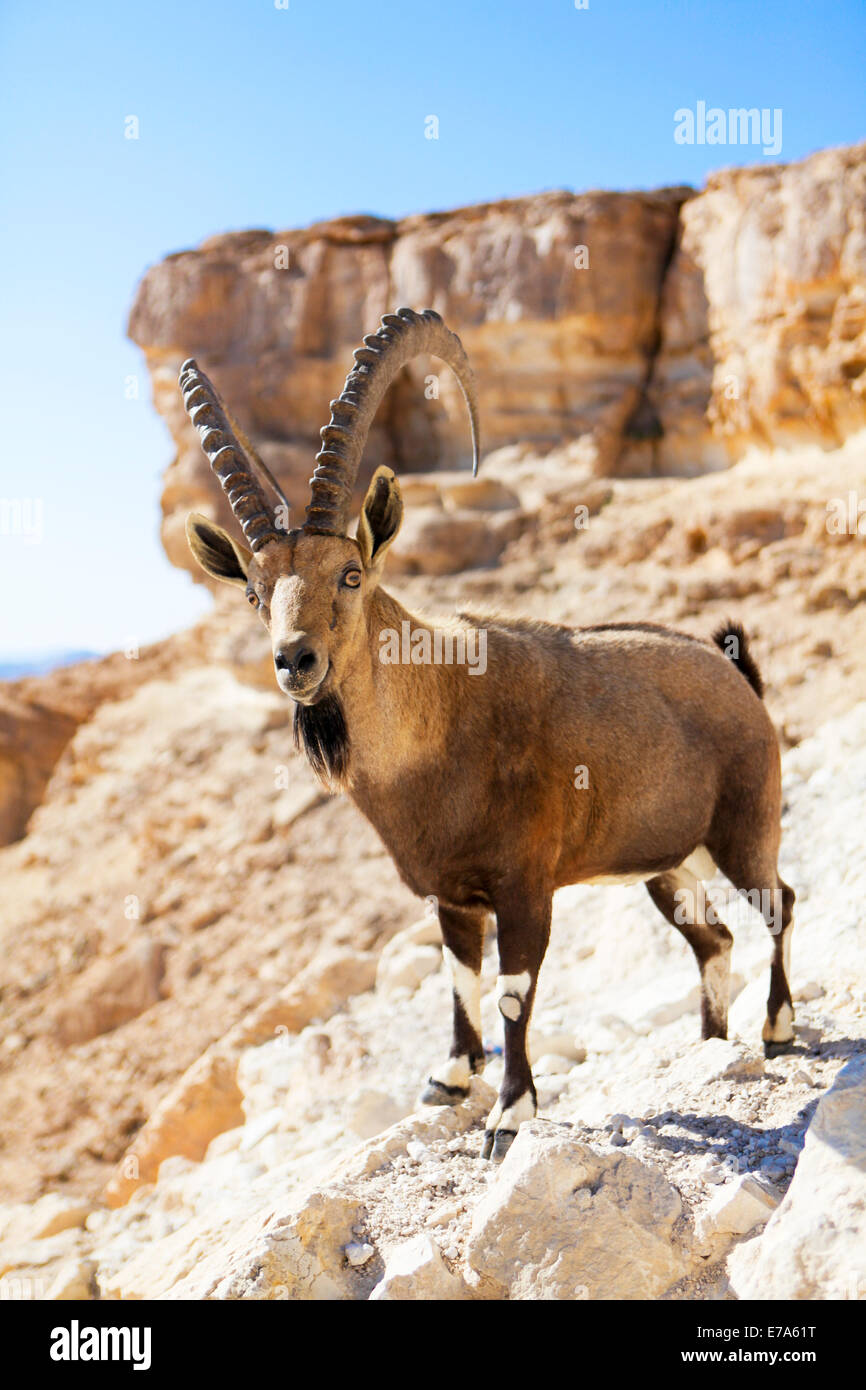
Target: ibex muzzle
x,y
471,781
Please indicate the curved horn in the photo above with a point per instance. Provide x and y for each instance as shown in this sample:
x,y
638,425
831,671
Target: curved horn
x,y
401,337
228,456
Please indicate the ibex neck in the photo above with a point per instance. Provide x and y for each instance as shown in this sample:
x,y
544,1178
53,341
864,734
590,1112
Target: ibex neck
x,y
401,696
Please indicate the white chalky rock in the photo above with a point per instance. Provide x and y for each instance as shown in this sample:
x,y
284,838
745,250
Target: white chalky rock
x,y
552,1064
372,1112
358,1253
715,1059
415,1149
404,966
72,1282
257,1129
736,1209
814,1245
544,1042
416,1270
808,991
560,1216
747,1012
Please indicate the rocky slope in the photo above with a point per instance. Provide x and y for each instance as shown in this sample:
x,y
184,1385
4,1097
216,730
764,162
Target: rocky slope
x,y
659,1166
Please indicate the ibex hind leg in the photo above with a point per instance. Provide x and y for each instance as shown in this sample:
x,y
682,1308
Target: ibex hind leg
x,y
463,942
754,875
681,897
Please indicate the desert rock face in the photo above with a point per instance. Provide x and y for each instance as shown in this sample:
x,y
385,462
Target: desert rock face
x,y
657,332
218,1002
764,312
559,352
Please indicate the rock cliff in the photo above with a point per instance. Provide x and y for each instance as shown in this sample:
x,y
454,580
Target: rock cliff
x,y
658,332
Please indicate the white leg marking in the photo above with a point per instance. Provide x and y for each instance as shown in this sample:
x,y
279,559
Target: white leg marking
x,y
786,953
511,991
716,974
717,984
513,1117
783,1029
453,1072
467,986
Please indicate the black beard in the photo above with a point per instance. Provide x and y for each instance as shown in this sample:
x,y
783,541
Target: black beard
x,y
322,729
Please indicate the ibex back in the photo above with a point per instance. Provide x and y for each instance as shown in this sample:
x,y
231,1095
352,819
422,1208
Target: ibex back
x,y
615,753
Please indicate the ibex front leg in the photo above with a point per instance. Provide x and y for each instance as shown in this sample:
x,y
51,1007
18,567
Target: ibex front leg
x,y
523,930
463,942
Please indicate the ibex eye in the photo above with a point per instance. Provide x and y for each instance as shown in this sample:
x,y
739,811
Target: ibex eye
x,y
253,599
352,579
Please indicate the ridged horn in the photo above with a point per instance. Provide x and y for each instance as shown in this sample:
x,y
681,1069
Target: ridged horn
x,y
401,337
231,456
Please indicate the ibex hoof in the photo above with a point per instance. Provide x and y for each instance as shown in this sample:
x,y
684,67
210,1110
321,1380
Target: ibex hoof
x,y
496,1144
779,1049
437,1093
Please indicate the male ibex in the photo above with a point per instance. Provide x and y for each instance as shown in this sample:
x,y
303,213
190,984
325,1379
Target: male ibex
x,y
469,779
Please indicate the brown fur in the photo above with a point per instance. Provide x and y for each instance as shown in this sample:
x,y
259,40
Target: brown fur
x,y
469,778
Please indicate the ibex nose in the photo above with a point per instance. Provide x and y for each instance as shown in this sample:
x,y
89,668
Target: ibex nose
x,y
297,659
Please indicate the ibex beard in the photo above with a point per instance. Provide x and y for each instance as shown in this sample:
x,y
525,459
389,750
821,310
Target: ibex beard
x,y
468,775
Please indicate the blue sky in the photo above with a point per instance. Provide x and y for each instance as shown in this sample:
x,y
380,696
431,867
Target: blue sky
x,y
253,115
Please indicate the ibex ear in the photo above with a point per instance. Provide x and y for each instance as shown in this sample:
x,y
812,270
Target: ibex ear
x,y
380,518
216,552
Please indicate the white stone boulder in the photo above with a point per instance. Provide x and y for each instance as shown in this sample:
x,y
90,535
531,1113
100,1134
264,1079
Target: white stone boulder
x,y
417,1270
814,1246
563,1221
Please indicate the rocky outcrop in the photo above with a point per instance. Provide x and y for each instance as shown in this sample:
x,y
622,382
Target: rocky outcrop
x,y
657,332
40,714
561,348
763,319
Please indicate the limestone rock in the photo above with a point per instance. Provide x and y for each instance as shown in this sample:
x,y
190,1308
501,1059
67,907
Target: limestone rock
x,y
205,1101
112,992
298,1254
557,350
562,1221
764,320
736,1208
814,1245
47,1217
315,993
722,318
403,964
715,1059
372,1111
417,1270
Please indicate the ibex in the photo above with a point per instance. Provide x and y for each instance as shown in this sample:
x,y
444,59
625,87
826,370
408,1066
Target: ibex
x,y
469,778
